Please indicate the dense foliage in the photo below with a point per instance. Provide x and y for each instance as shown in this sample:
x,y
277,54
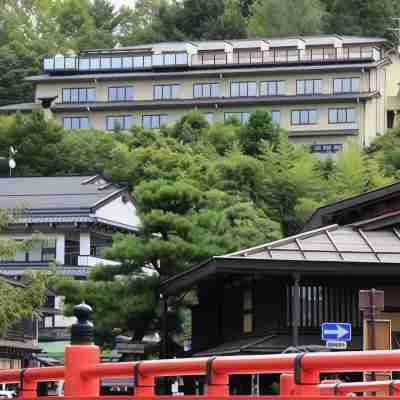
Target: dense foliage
x,y
31,29
18,302
201,191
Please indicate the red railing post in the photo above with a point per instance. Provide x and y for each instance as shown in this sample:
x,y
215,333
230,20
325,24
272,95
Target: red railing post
x,y
81,354
286,385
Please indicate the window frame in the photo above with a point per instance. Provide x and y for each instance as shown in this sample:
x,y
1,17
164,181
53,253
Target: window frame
x,y
202,85
159,116
248,311
79,90
164,86
341,79
124,125
276,111
300,123
80,117
276,82
125,97
346,110
305,81
247,88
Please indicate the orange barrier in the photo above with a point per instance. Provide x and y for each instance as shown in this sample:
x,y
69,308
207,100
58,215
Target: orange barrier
x,y
299,373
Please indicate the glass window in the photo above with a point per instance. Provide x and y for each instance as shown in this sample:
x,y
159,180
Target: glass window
x,y
48,64
127,62
326,148
83,64
138,62
95,63
276,117
205,90
59,62
78,95
342,115
91,94
76,122
272,88
121,93
74,95
147,61
116,62
181,58
309,86
209,117
70,62
346,85
166,92
304,117
169,59
105,63
243,89
119,122
154,121
247,310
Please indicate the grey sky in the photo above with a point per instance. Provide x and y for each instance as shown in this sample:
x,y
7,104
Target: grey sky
x,y
119,3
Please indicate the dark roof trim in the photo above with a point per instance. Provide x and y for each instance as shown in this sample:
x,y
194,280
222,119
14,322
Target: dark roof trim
x,y
241,265
211,102
315,220
112,196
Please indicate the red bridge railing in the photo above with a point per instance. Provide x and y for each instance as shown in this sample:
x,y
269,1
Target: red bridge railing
x,y
300,374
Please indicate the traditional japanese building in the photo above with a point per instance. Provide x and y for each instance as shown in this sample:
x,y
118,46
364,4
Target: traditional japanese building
x,y
20,342
266,298
76,217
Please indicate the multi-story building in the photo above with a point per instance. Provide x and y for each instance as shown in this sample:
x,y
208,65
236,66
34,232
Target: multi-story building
x,y
321,89
75,218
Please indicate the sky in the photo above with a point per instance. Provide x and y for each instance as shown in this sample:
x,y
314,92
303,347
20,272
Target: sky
x,y
118,3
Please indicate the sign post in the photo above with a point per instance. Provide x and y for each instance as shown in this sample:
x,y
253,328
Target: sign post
x,y
336,335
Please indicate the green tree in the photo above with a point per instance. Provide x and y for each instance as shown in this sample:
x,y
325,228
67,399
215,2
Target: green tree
x,y
283,17
18,302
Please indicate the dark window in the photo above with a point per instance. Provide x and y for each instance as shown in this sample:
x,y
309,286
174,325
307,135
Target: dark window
x,y
165,92
326,148
205,90
248,308
119,122
243,89
304,117
154,121
76,122
120,93
78,95
276,117
342,115
323,304
309,86
49,250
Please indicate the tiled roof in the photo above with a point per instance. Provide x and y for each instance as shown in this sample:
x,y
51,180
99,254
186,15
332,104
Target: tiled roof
x,y
332,243
54,193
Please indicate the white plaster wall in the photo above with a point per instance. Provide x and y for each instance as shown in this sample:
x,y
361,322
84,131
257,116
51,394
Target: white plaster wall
x,y
118,211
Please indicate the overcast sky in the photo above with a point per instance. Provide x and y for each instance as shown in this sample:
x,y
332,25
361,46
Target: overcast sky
x,y
119,3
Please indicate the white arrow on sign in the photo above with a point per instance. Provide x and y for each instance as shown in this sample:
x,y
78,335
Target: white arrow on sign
x,y
339,332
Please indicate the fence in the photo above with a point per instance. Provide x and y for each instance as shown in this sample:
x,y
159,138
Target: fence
x,y
299,379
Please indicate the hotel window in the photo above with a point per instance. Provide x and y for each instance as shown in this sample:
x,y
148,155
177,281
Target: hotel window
x,y
248,310
164,92
304,117
273,88
309,86
209,117
119,122
326,148
243,89
121,93
78,95
76,122
205,90
154,121
346,85
342,115
276,117
242,117
49,250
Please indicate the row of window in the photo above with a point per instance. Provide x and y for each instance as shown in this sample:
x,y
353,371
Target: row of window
x,y
212,89
298,117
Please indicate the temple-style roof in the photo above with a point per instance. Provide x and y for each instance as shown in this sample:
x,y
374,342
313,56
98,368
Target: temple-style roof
x,y
352,250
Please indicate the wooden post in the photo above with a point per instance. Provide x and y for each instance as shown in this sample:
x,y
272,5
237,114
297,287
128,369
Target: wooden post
x,y
296,309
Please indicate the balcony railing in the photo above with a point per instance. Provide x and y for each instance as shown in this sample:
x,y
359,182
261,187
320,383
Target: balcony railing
x,y
110,63
113,63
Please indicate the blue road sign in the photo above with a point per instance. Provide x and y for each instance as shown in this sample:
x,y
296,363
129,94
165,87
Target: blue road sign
x,y
336,331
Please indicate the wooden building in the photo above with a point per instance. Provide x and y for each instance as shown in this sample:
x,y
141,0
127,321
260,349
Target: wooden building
x,y
264,299
20,342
